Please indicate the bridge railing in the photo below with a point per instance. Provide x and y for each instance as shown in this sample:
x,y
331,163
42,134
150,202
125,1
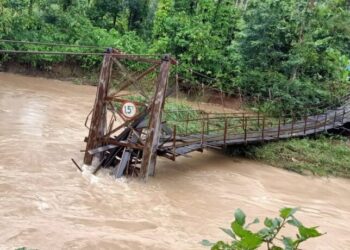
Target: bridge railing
x,y
221,129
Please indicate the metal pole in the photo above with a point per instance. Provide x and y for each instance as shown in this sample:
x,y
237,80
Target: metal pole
x,y
225,132
263,128
174,143
279,127
245,130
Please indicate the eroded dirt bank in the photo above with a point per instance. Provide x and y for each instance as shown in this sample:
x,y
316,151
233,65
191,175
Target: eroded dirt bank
x,y
46,204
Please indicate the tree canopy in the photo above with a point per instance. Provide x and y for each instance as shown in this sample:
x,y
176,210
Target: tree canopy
x,y
298,50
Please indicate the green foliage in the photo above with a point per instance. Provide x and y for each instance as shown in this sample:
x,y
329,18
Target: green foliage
x,y
321,156
245,239
50,22
290,55
176,114
289,50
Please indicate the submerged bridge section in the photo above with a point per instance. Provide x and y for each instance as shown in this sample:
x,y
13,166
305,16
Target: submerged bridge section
x,y
131,146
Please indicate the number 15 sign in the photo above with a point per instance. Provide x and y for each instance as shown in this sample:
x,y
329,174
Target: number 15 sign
x,y
129,110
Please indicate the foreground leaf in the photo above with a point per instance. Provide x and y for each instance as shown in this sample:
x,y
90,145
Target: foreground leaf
x,y
268,222
307,233
228,232
293,221
287,212
288,243
250,242
240,217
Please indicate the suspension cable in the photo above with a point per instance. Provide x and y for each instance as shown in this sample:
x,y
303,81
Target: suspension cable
x,y
66,45
51,52
134,56
52,44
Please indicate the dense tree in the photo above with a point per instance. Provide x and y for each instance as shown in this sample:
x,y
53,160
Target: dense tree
x,y
290,48
104,13
138,10
293,52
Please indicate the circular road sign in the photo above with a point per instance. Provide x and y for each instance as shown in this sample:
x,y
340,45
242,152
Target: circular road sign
x,y
129,110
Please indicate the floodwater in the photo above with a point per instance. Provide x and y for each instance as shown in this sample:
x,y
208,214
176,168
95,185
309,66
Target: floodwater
x,y
45,203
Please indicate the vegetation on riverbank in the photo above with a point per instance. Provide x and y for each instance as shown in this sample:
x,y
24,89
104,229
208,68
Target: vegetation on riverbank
x,y
284,55
322,156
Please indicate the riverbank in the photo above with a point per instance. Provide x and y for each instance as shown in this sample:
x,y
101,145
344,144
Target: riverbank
x,y
64,71
323,155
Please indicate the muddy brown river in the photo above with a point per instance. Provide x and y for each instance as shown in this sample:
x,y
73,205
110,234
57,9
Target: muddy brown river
x,y
45,203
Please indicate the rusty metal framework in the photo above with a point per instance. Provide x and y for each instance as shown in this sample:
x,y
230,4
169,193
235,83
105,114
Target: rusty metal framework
x,y
131,147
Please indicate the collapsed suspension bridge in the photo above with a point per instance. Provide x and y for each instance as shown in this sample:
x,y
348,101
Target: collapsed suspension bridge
x,y
131,147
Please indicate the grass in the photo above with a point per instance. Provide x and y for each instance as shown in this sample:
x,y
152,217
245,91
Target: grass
x,y
176,113
321,156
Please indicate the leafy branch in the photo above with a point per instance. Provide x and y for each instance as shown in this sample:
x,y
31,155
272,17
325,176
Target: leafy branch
x,y
245,239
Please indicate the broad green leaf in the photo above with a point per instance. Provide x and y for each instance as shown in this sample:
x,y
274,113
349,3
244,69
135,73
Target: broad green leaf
x,y
293,221
228,232
240,217
307,233
268,222
239,230
287,211
288,243
206,243
250,241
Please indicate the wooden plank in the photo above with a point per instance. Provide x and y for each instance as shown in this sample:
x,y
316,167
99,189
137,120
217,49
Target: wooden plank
x,y
174,143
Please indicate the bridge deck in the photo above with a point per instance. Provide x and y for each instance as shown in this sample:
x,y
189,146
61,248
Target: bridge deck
x,y
178,145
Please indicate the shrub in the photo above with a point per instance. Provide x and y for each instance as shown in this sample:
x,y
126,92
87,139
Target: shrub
x,y
245,239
